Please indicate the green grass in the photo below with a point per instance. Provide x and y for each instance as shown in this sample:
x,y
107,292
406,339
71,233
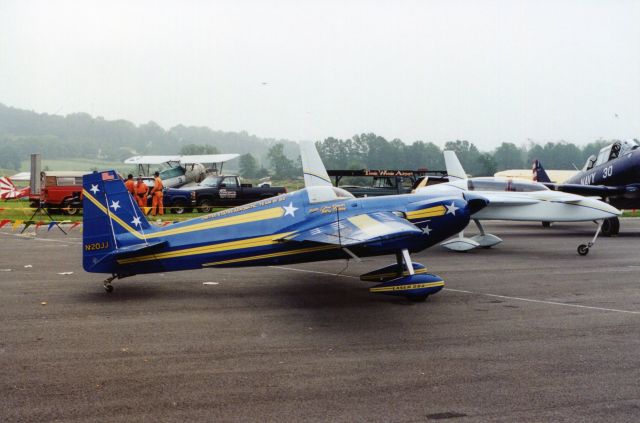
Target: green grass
x,y
20,210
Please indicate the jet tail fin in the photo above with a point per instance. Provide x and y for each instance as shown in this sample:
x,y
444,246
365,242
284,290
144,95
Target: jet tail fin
x,y
315,174
112,221
454,167
539,174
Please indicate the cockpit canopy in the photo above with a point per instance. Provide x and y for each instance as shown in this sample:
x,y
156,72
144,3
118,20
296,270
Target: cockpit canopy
x,y
611,152
500,184
321,194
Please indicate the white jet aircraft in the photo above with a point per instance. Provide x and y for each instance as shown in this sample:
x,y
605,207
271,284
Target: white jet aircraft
x,y
182,170
518,200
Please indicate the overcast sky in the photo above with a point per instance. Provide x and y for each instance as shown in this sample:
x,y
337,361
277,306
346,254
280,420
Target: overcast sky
x,y
485,71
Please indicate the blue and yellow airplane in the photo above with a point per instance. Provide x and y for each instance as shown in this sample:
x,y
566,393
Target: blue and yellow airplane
x,y
319,222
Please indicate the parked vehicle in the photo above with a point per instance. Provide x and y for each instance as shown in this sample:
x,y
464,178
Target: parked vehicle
x,y
61,190
216,191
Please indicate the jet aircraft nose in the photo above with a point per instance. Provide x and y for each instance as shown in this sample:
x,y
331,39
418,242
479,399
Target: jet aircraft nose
x,y
475,202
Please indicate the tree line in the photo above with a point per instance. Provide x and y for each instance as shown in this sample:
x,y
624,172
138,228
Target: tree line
x,y
371,151
80,135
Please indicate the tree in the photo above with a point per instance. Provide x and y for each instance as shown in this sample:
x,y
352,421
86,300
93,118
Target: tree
x,y
248,166
194,149
9,157
508,156
282,166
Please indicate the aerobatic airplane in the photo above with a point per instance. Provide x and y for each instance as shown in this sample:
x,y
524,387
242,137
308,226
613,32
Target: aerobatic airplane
x,y
518,200
319,222
614,176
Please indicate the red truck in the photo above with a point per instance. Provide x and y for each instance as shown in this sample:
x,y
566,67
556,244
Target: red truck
x,y
60,190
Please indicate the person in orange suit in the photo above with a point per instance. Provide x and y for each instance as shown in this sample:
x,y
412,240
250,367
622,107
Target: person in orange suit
x,y
156,206
131,185
141,193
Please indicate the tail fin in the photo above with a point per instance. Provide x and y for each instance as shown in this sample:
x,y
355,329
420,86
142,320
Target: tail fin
x,y
454,168
539,174
315,174
112,221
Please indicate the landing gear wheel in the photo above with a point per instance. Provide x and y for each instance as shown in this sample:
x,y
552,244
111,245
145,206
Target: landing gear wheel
x,y
108,287
418,298
583,249
611,226
546,224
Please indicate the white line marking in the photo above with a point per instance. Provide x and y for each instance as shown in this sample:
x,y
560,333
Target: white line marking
x,y
529,300
66,241
210,283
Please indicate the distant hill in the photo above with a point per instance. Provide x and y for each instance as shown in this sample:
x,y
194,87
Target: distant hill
x,y
80,135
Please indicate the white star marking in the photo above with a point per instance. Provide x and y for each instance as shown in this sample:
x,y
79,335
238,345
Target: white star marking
x,y
427,230
94,189
136,221
452,208
290,210
115,205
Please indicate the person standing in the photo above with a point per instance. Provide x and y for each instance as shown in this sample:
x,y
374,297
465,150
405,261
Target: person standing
x,y
156,205
141,193
130,184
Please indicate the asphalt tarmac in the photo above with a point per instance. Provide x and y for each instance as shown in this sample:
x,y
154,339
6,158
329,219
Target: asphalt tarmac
x,y
526,331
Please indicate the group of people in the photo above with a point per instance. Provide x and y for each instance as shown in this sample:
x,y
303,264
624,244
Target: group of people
x,y
140,190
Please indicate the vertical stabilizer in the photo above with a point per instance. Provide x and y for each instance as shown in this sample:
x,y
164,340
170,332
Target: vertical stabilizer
x,y
111,220
454,168
315,175
539,174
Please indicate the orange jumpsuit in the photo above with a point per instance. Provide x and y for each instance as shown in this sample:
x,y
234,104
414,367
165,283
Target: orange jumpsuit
x,y
156,206
141,194
130,184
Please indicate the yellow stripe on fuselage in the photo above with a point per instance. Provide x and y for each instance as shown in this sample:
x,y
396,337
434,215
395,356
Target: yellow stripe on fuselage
x,y
270,213
279,254
428,212
369,225
212,248
407,287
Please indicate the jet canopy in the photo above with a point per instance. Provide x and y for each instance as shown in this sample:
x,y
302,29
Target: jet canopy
x,y
500,184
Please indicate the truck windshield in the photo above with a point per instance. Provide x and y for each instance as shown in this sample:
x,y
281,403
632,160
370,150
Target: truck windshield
x,y
211,181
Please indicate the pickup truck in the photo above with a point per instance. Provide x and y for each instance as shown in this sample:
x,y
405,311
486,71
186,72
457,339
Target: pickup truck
x,y
59,191
384,182
216,191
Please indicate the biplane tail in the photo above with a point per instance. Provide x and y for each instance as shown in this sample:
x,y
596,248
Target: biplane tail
x,y
113,224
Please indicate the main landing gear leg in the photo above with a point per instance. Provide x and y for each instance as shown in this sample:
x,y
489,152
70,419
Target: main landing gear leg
x,y
107,283
583,249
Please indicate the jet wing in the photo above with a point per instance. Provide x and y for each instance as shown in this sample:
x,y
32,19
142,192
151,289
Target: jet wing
x,y
359,229
595,190
497,198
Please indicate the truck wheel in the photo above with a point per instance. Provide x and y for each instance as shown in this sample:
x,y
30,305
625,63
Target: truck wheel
x,y
71,208
180,207
205,206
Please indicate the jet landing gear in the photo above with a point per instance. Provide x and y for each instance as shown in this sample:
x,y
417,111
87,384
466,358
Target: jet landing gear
x,y
107,283
583,249
404,279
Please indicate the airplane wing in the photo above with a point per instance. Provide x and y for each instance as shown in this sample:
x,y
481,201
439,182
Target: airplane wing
x,y
207,158
596,190
151,160
497,198
359,229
